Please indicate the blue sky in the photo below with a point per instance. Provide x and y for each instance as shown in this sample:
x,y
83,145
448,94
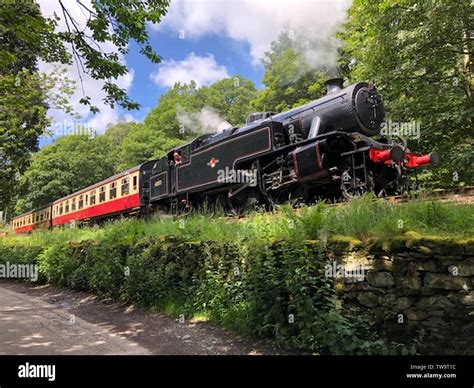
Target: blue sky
x,y
202,40
233,55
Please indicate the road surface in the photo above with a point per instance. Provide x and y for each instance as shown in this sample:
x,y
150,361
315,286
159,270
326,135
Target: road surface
x,y
40,320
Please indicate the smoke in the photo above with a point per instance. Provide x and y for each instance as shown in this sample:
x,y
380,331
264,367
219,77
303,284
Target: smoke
x,y
207,120
318,52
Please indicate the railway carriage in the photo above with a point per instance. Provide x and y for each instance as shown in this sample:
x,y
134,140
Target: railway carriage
x,y
116,195
35,219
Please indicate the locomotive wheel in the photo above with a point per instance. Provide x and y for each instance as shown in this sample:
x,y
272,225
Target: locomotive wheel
x,y
243,202
353,186
299,196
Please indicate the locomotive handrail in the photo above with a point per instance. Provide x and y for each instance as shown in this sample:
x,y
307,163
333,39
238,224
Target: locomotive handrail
x,y
334,133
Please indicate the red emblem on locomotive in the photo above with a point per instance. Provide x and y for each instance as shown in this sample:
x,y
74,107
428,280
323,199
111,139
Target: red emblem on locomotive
x,y
212,163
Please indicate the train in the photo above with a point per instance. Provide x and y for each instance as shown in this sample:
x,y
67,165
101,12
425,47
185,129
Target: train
x,y
329,148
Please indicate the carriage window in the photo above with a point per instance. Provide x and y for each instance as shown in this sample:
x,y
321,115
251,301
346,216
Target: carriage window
x,y
73,204
87,199
42,217
61,209
113,190
93,197
81,202
102,194
135,183
125,186
66,209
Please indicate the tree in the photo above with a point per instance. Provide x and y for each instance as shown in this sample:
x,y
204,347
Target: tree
x,y
22,120
24,36
69,164
230,97
164,116
414,51
27,36
116,134
144,143
26,31
289,79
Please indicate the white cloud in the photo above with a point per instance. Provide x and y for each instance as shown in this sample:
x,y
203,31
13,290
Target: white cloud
x,y
256,22
202,70
92,87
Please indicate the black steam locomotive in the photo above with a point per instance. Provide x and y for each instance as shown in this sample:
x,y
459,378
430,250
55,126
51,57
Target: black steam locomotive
x,y
324,149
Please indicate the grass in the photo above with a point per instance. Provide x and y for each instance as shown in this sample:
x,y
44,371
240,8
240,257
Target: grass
x,y
362,218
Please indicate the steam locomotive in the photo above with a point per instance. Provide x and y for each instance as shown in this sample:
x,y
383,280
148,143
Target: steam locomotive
x,y
324,149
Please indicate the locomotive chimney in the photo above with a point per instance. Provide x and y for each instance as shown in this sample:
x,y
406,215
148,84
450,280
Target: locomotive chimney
x,y
333,85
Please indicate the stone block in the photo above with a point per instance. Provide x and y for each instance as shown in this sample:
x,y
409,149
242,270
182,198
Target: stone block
x,y
446,282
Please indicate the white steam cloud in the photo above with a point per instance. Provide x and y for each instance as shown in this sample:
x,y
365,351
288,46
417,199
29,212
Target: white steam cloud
x,y
259,22
207,120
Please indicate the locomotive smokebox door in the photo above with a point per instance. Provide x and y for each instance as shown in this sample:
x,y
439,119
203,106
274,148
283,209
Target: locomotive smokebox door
x,y
370,111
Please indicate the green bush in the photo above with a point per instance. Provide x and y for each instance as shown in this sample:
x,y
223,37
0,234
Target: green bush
x,y
21,254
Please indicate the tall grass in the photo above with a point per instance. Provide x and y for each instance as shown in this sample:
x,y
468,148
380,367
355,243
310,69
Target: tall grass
x,y
362,218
